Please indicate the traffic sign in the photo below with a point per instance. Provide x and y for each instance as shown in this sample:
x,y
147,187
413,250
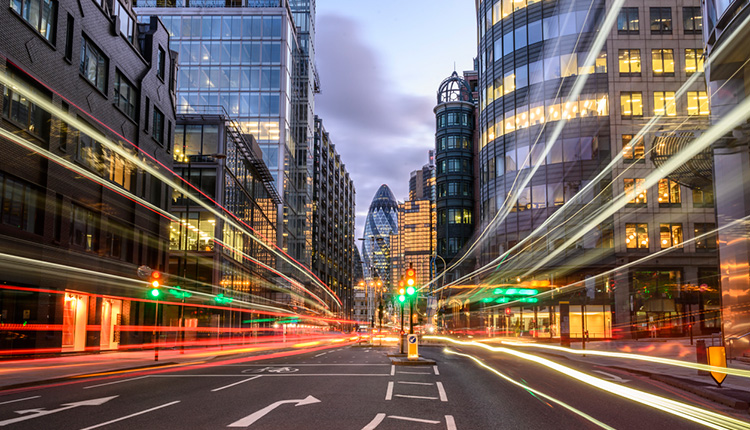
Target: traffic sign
x,y
411,341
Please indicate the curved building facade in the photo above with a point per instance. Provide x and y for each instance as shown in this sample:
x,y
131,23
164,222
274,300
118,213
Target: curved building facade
x,y
380,224
454,165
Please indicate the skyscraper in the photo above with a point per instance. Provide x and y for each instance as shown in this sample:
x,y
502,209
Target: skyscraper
x,y
380,224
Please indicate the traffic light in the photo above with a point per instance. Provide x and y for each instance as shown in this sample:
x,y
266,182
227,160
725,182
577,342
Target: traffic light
x,y
410,291
155,281
402,297
411,277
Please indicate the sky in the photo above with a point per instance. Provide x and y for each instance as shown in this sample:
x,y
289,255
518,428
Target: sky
x,y
380,64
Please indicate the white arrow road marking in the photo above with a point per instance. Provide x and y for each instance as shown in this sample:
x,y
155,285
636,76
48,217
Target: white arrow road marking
x,y
416,420
20,400
255,416
131,415
613,378
40,412
441,390
375,422
450,422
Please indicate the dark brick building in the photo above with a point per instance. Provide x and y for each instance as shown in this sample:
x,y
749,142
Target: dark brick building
x,y
87,116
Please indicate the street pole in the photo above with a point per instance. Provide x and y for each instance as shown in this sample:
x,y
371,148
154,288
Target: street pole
x,y
411,314
156,331
182,325
401,348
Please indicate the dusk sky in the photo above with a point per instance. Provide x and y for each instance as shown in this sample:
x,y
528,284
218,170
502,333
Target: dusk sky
x,y
380,64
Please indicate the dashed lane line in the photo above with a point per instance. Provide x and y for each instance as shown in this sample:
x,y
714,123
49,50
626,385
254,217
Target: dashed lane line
x,y
441,391
236,383
414,373
393,369
450,422
26,398
415,397
416,420
415,383
389,391
115,382
435,369
131,415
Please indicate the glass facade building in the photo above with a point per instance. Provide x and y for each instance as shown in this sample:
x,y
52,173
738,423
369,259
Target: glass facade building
x,y
542,150
380,224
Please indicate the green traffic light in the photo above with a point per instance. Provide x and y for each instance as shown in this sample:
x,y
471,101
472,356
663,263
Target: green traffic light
x,y
401,298
155,292
410,291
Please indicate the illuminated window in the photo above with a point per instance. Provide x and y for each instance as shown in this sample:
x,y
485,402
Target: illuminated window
x,y
636,236
509,82
697,103
632,151
664,103
601,63
669,193
631,104
661,20
568,65
627,21
633,186
630,62
662,62
692,20
670,235
693,61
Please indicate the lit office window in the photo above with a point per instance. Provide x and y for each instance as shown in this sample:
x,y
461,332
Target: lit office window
x,y
670,235
632,151
664,103
636,236
697,103
662,62
630,62
631,104
631,187
669,193
693,61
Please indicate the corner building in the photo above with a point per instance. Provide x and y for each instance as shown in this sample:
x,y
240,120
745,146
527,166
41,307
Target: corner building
x,y
530,54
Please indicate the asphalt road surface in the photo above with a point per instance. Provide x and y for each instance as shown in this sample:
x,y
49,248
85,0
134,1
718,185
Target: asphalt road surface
x,y
345,387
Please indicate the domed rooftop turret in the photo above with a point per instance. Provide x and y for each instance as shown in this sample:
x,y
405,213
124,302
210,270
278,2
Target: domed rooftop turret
x,y
454,89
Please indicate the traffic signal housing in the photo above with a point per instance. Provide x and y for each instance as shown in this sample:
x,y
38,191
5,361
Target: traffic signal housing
x,y
411,277
155,281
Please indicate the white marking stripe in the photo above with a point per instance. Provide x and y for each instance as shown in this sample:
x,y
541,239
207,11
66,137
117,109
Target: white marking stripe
x,y
450,422
414,373
236,383
20,400
296,365
268,375
393,369
131,415
322,353
375,422
389,392
441,390
115,382
416,420
416,397
415,383
436,370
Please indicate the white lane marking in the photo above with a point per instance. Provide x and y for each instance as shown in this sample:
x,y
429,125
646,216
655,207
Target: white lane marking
x,y
436,370
416,420
20,400
415,383
131,415
322,353
375,422
389,392
269,375
441,390
297,365
450,422
255,416
416,397
414,373
393,369
236,383
115,382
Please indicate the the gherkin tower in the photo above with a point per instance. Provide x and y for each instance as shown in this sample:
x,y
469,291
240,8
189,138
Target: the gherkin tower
x,y
381,223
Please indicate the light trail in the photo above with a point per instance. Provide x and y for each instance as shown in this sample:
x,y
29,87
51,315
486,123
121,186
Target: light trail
x,y
683,410
96,135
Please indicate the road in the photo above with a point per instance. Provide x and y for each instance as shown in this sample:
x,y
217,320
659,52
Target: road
x,y
344,387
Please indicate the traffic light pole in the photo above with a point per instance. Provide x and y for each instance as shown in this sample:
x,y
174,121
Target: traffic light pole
x,y
411,314
401,345
156,331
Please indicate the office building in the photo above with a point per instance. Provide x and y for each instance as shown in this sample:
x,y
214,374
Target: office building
x,y
422,182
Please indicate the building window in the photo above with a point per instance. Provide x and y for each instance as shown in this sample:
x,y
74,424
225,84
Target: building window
x,y
710,241
661,20
630,62
631,104
632,151
703,198
693,61
121,171
157,130
627,21
670,235
83,229
25,114
69,31
692,20
697,103
636,236
126,96
631,187
126,21
664,103
41,14
21,205
669,193
161,65
94,65
662,62
89,152
459,216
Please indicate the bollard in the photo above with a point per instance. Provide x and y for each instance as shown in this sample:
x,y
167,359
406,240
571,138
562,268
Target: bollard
x,y
701,355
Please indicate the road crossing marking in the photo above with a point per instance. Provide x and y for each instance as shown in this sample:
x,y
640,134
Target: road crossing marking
x,y
414,373
131,415
416,397
416,420
436,370
389,392
236,383
415,383
393,369
375,422
441,391
450,422
20,400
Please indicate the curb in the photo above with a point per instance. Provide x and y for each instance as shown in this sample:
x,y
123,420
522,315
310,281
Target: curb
x,y
406,362
716,397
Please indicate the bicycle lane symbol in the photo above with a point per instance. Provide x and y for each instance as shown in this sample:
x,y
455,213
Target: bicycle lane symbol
x,y
272,370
